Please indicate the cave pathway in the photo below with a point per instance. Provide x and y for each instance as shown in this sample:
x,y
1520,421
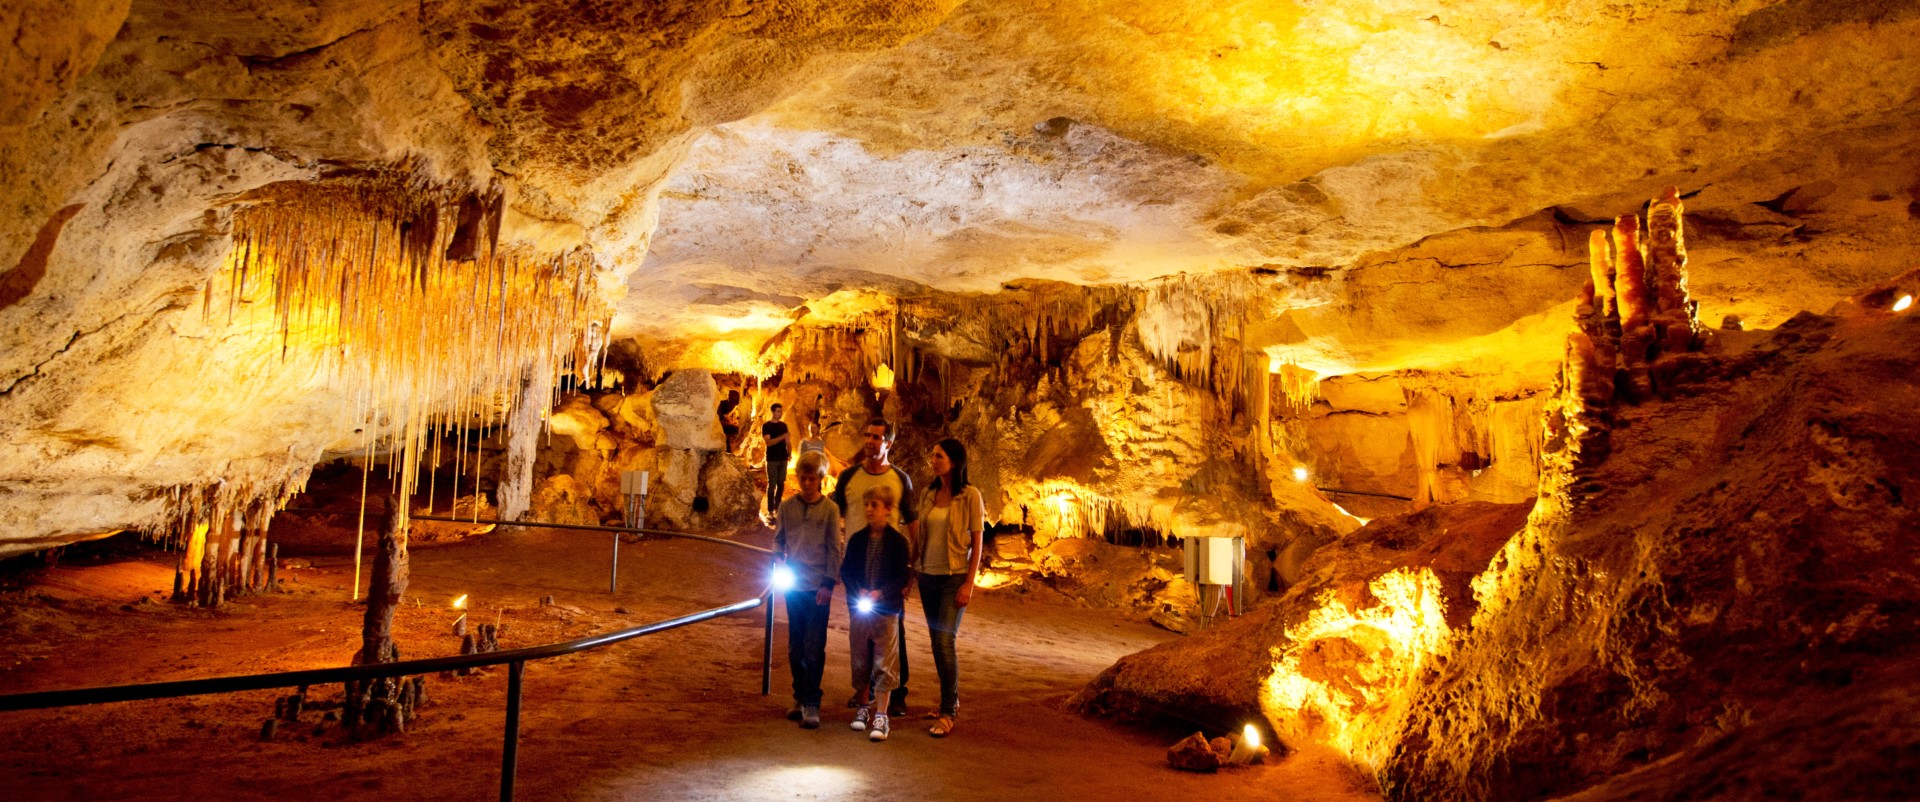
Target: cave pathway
x,y
672,716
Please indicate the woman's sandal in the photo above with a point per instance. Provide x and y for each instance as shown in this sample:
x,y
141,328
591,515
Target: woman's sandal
x,y
941,727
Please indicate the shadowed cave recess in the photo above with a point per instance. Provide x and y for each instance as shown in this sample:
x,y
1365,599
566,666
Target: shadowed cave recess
x,y
1553,364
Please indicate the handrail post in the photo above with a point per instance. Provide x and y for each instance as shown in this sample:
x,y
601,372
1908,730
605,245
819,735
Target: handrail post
x,y
510,751
613,582
766,657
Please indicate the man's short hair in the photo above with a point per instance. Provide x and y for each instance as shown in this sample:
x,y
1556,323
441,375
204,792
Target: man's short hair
x,y
885,494
777,407
813,462
885,425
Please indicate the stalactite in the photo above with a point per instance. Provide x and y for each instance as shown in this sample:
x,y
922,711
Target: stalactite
x,y
1299,386
400,290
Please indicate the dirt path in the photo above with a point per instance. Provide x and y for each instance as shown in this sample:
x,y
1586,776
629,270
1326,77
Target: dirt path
x,y
673,716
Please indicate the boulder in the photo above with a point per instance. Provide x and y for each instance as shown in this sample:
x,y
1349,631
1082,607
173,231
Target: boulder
x,y
560,499
733,495
578,420
686,408
675,483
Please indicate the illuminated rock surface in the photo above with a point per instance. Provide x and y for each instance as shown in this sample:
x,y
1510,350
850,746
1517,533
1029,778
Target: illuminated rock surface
x,y
1168,268
1420,165
1669,612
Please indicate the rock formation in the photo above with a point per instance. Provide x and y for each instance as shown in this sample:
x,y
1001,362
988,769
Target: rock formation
x,y
1720,531
1168,269
710,169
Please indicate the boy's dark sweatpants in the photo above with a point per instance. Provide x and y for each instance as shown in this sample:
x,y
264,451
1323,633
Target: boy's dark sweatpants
x,y
806,644
898,698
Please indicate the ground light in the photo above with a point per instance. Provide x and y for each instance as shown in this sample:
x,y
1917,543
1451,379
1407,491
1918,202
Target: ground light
x,y
1300,473
1902,304
864,605
1248,750
460,623
782,578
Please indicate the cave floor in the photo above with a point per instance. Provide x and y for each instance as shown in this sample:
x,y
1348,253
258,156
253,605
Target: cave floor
x,y
676,715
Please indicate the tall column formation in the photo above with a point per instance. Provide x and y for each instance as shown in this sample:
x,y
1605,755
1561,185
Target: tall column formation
x,y
389,584
1675,329
383,705
1630,292
523,439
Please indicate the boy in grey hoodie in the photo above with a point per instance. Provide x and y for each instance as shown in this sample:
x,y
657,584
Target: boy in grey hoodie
x,y
807,538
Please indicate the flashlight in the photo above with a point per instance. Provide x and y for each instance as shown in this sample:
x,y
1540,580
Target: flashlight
x,y
783,578
864,605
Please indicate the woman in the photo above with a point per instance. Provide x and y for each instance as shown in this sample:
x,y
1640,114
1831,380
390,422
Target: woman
x,y
953,520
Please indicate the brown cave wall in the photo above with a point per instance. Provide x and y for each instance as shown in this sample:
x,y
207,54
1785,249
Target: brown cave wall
x,y
1360,435
1722,552
1743,548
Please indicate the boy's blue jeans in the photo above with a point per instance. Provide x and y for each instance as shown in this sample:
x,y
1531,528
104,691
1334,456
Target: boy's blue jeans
x,y
806,644
940,598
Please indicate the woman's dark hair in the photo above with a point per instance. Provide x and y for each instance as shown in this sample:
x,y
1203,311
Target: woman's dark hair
x,y
956,454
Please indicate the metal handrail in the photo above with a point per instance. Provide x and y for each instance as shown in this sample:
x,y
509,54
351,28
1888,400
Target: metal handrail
x,y
325,676
1361,493
515,659
634,529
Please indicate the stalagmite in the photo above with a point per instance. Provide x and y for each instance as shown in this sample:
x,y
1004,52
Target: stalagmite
x,y
380,705
389,583
1666,267
1676,329
523,437
1600,264
1630,292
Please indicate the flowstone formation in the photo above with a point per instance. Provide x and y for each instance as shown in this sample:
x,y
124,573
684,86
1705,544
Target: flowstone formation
x,y
1721,552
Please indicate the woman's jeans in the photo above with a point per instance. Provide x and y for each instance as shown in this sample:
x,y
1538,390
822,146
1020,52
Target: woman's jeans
x,y
940,597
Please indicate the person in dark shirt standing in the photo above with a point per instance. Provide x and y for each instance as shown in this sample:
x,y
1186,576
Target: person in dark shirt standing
x,y
729,420
778,452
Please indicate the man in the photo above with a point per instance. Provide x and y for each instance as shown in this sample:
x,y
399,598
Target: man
x,y
775,433
729,422
874,470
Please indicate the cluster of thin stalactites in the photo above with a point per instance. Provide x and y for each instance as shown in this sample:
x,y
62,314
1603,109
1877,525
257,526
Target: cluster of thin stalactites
x,y
401,290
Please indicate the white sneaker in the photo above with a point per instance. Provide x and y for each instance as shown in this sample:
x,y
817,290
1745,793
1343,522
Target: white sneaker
x,y
860,718
878,732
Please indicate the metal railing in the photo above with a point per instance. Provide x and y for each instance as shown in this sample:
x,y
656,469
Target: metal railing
x,y
514,659
1362,493
613,580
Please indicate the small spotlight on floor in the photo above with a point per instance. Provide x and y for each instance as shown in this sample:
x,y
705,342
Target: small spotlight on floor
x,y
864,605
1300,473
783,578
1902,304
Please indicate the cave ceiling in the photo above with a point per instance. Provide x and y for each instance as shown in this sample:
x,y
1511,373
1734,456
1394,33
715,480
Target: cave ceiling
x,y
1417,176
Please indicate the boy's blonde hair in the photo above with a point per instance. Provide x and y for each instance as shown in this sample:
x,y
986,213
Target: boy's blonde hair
x,y
813,462
885,494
